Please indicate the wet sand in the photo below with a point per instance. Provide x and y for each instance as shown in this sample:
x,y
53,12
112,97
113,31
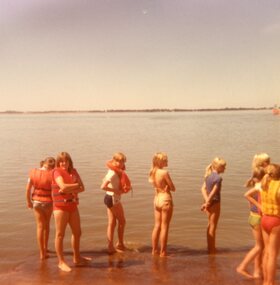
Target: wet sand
x,y
135,266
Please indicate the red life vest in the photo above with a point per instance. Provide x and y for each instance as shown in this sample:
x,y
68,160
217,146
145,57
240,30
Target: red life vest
x,y
64,199
41,180
125,184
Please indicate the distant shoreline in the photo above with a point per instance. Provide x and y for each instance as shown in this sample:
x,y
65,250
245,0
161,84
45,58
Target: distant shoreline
x,y
133,111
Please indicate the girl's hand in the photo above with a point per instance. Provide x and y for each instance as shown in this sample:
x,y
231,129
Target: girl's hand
x,y
29,205
204,207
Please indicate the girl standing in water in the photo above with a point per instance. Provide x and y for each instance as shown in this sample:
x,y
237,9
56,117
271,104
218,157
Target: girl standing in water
x,y
255,254
40,180
163,205
259,164
211,191
112,184
270,202
66,185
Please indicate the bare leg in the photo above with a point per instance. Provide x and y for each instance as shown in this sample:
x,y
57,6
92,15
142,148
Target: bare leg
x,y
61,220
156,231
265,256
47,217
255,254
272,251
39,216
110,230
75,224
213,218
119,214
167,212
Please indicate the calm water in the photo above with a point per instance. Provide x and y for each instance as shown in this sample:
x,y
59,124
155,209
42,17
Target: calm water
x,y
191,140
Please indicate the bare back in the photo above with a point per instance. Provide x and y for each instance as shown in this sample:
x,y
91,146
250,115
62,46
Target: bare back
x,y
162,181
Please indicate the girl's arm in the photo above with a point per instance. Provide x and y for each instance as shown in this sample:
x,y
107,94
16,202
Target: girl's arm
x,y
82,186
28,194
171,186
211,195
67,188
249,196
204,192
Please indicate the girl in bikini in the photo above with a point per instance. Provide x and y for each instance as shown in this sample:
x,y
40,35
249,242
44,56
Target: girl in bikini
x,y
163,205
270,205
255,254
112,185
259,164
211,191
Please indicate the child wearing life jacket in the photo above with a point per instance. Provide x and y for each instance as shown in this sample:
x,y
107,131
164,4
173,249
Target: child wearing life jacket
x,y
66,185
270,206
38,198
115,183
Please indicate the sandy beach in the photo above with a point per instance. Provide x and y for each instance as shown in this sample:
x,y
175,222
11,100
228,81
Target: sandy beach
x,y
139,267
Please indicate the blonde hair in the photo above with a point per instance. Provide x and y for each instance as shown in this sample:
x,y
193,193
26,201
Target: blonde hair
x,y
260,160
272,173
119,156
257,174
216,164
158,161
65,156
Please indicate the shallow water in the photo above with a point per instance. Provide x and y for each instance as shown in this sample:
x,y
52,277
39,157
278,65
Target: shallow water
x,y
191,140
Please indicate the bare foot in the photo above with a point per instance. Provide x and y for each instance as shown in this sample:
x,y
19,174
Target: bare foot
x,y
155,252
64,267
82,261
244,273
111,250
212,251
163,254
44,256
120,248
257,275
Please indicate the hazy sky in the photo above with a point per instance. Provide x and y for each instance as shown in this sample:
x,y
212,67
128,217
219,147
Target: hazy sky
x,y
127,54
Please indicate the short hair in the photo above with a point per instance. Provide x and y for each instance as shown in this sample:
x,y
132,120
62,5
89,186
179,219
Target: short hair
x,y
119,156
260,160
49,161
272,173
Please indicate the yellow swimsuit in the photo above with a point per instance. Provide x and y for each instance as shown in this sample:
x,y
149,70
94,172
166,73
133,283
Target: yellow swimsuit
x,y
162,199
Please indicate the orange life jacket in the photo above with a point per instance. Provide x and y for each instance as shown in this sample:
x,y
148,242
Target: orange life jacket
x,y
41,181
125,184
64,199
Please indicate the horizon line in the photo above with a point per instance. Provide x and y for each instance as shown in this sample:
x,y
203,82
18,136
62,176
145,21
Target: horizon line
x,y
138,110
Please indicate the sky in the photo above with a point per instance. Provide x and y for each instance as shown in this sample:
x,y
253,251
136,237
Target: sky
x,y
138,54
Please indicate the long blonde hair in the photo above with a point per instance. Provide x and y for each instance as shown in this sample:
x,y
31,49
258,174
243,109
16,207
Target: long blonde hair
x,y
158,161
260,160
272,173
216,164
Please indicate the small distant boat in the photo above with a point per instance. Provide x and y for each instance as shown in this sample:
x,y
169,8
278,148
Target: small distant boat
x,y
276,110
